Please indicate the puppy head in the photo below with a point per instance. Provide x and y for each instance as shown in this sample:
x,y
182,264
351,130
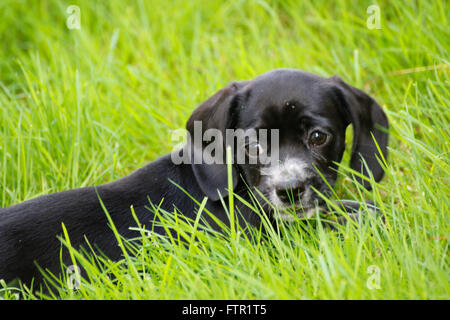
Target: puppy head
x,y
308,115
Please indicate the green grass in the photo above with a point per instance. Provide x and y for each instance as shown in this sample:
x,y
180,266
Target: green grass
x,y
84,107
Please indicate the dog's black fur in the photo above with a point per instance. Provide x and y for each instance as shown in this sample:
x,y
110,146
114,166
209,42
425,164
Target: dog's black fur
x,y
293,101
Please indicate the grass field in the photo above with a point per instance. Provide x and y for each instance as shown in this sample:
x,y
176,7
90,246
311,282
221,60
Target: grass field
x,y
85,106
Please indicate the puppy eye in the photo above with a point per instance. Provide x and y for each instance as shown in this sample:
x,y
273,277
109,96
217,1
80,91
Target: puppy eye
x,y
253,149
317,138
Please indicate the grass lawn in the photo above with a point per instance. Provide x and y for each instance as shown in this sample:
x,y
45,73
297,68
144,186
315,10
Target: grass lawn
x,y
86,106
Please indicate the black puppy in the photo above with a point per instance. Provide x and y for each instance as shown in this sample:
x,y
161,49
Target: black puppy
x,y
310,115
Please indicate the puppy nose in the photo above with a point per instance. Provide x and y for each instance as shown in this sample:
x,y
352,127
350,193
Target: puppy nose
x,y
290,191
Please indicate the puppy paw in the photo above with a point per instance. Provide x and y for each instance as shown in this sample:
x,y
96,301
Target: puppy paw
x,y
355,211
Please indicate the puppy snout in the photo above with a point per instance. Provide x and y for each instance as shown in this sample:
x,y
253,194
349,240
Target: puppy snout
x,y
290,191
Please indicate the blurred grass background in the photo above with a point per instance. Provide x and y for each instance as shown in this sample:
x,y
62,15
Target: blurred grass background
x,y
84,107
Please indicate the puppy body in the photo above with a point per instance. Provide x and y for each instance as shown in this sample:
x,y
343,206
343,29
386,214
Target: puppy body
x,y
29,230
311,114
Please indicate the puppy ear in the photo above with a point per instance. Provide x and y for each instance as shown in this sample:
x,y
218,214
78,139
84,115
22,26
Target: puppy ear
x,y
217,112
367,118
